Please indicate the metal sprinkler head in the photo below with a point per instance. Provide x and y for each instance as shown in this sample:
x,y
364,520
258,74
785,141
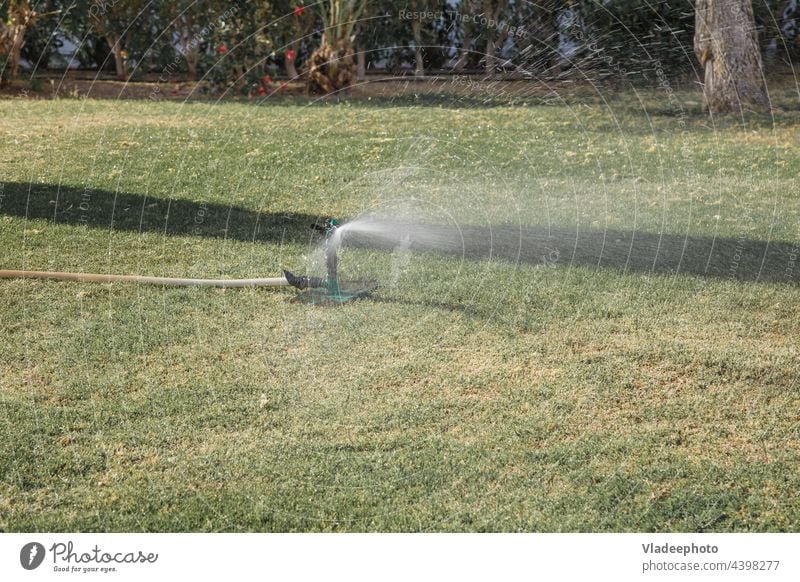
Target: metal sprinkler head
x,y
328,290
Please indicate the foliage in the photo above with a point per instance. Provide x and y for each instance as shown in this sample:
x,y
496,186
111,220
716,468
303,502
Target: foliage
x,y
16,17
293,34
615,38
778,24
41,41
626,38
535,44
237,56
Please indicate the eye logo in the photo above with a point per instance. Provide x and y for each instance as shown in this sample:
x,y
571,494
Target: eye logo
x,y
32,555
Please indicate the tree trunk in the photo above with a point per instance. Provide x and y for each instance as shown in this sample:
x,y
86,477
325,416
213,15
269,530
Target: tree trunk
x,y
419,65
726,44
463,57
332,66
361,64
12,38
119,59
16,50
190,51
291,69
493,9
330,69
191,65
489,58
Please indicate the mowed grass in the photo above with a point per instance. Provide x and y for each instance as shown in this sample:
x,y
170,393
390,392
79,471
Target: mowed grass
x,y
643,378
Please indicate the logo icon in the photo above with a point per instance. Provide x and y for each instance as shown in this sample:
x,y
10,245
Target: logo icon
x,y
32,555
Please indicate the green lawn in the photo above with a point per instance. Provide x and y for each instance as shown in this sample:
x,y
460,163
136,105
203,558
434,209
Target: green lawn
x,y
625,358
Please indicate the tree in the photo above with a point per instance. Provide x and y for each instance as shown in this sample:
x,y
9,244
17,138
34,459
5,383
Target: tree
x,y
467,10
536,34
41,40
111,21
331,67
290,32
19,19
489,19
241,51
778,24
186,20
726,45
618,40
421,8
496,33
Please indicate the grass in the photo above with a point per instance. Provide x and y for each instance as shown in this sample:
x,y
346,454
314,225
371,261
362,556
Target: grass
x,y
650,387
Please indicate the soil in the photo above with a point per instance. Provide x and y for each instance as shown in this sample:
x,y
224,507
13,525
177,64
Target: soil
x,y
83,84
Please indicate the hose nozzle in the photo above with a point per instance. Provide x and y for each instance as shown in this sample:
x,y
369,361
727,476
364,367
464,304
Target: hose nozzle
x,y
331,280
327,228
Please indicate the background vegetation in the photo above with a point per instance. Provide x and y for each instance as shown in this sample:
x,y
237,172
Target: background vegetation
x,y
235,44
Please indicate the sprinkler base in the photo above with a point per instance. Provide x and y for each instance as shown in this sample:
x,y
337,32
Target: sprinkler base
x,y
322,297
328,292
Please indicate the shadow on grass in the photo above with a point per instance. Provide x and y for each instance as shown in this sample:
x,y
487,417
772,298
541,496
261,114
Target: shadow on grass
x,y
135,212
737,259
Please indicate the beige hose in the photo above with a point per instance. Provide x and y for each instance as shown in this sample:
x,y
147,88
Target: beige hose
x,y
95,278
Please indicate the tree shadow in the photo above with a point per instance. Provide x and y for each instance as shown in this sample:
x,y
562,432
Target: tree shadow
x,y
736,259
96,208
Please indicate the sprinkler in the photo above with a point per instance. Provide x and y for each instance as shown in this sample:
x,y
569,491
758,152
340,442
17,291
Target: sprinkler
x,y
328,290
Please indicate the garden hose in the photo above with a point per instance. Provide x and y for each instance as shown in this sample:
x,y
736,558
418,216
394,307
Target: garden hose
x,y
318,290
176,282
